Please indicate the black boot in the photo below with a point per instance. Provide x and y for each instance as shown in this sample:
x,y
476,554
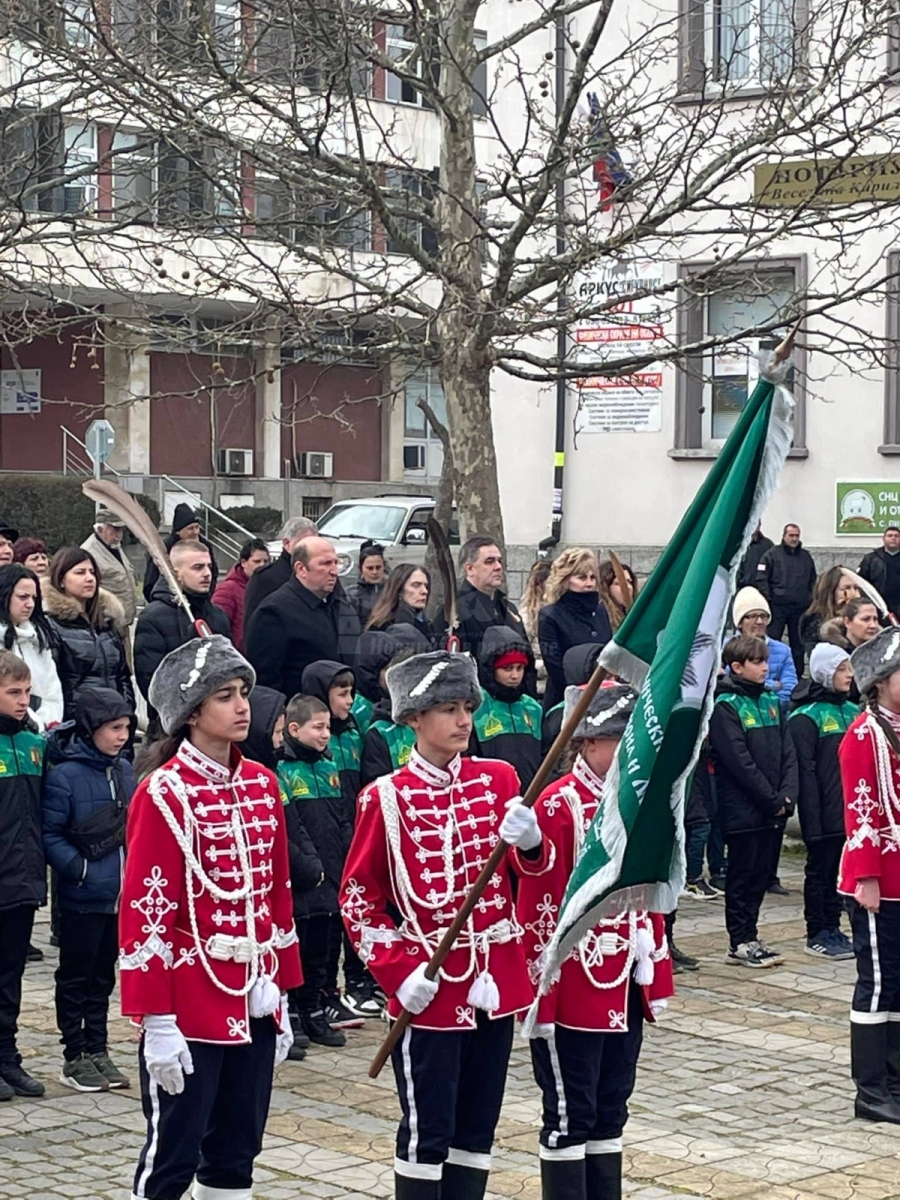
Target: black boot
x,y
563,1179
463,1183
603,1176
893,1059
869,1068
406,1188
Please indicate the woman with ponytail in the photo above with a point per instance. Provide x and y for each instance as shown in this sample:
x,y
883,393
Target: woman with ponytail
x,y
208,948
870,875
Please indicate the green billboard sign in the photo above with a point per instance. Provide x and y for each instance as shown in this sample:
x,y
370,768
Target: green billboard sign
x,y
866,507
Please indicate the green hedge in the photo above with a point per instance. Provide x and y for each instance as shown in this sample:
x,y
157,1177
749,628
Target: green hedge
x,y
54,508
261,521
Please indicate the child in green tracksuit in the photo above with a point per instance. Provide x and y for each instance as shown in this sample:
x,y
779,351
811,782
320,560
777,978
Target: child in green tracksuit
x,y
507,724
386,746
23,873
311,789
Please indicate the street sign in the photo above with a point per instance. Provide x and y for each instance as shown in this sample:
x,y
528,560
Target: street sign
x,y
100,440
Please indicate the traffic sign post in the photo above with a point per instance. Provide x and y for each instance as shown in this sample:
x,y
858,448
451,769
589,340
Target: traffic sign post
x,y
100,440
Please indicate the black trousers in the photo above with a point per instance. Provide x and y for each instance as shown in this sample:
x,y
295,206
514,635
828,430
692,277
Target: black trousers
x,y
85,978
15,934
775,854
451,1088
821,902
214,1129
355,972
747,875
788,618
876,944
320,953
586,1080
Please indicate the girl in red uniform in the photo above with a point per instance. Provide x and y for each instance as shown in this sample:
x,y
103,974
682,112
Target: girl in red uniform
x,y
206,932
587,1033
870,875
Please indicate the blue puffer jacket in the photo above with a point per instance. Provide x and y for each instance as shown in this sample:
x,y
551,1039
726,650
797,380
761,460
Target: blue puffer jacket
x,y
80,782
781,670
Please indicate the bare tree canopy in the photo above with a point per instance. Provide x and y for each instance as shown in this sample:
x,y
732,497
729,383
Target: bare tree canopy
x,y
452,183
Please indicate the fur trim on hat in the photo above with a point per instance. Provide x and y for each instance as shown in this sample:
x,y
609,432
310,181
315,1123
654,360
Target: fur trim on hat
x,y
749,599
428,680
191,673
876,659
607,714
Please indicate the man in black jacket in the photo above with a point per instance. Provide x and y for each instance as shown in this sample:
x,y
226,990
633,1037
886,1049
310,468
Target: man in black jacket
x,y
303,621
164,626
786,577
881,568
185,528
480,602
266,580
759,545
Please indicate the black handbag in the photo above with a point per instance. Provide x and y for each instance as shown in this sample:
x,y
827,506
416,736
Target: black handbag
x,y
99,834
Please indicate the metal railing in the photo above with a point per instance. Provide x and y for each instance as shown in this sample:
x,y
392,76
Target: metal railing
x,y
229,545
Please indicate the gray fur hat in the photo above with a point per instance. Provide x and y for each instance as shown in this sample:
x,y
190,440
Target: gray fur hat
x,y
186,676
876,659
607,714
428,680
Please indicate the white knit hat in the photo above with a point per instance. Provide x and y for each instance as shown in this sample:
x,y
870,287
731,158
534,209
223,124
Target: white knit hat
x,y
824,661
749,600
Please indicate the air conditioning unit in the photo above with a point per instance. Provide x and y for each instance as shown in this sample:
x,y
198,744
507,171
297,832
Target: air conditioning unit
x,y
315,464
235,462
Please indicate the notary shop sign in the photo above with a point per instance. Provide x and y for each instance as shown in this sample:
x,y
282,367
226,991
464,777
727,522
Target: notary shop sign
x,y
827,181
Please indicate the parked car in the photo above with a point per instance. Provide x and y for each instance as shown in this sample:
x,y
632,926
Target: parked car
x,y
396,522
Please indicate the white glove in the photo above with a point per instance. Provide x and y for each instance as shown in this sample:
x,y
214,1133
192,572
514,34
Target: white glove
x,y
284,1039
519,827
166,1053
658,1007
416,992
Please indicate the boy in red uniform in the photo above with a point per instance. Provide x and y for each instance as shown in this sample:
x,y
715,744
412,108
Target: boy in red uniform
x,y
587,1033
422,835
206,930
870,875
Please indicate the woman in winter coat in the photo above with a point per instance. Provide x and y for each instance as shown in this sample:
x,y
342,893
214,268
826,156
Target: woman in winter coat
x,y
230,594
751,614
369,587
529,607
403,602
574,615
32,553
25,630
832,591
89,624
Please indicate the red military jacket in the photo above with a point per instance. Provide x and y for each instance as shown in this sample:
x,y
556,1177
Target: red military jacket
x,y
593,988
871,808
206,898
422,836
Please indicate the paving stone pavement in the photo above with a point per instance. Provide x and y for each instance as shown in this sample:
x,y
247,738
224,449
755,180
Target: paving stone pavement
x,y
743,1094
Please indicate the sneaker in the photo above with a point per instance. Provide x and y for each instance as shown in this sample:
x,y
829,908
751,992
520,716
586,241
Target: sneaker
x,y
682,961
20,1081
778,959
361,999
6,1092
699,889
297,1052
777,888
317,1029
718,882
301,1041
83,1075
34,954
749,954
110,1072
338,1015
840,939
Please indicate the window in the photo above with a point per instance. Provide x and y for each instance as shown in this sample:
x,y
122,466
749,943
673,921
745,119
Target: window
x,y
134,176
197,182
80,168
713,387
57,22
423,453
405,46
411,199
480,80
740,43
313,45
342,225
274,208
226,28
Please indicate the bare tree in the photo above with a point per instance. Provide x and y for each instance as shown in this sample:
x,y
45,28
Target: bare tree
x,y
389,181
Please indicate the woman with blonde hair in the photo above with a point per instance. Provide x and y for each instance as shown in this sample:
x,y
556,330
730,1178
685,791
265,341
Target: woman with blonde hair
x,y
573,615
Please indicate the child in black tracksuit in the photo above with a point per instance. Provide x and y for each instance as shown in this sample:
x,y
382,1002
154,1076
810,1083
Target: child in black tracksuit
x,y
386,746
507,723
756,778
85,800
821,713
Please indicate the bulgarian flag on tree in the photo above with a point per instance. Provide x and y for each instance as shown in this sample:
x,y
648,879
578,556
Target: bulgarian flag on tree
x,y
668,648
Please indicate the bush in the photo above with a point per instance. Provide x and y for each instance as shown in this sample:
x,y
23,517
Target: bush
x,y
50,507
262,522
151,508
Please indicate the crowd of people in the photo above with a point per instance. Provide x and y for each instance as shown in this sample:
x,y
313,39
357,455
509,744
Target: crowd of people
x,y
364,730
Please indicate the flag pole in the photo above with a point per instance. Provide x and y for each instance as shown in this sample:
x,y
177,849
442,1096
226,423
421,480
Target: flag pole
x,y
495,858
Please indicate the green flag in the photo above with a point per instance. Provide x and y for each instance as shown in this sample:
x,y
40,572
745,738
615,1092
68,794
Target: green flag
x,y
668,648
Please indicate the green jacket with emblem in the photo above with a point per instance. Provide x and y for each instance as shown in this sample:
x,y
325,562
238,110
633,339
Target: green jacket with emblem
x,y
23,873
387,746
818,723
511,732
755,763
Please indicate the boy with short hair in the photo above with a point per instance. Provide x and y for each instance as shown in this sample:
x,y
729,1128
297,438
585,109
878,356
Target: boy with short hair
x,y
86,796
23,873
508,721
756,786
311,788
